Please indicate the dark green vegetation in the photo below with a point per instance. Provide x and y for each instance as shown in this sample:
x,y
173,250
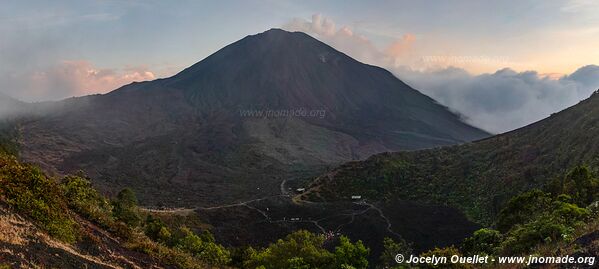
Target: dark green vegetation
x,y
391,249
547,222
303,249
62,208
8,137
538,217
183,141
477,178
559,217
12,112
29,191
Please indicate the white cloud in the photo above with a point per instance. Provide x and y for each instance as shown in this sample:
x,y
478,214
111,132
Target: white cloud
x,y
497,102
504,100
343,39
70,78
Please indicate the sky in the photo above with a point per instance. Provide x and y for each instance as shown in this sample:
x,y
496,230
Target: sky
x,y
501,64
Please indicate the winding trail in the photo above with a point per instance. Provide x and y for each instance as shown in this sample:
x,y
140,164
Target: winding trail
x,y
240,203
285,193
383,217
283,189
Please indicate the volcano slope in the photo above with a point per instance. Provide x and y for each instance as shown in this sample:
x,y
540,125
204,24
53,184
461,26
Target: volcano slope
x,y
476,178
198,138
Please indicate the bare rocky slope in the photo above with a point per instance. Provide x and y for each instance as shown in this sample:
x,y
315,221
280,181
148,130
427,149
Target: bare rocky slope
x,y
188,140
24,245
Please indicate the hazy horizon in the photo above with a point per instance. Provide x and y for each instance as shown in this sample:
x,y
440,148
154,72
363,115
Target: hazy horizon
x,y
508,69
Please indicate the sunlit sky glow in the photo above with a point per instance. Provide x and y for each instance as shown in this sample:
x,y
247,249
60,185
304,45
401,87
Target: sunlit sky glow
x,y
164,36
55,49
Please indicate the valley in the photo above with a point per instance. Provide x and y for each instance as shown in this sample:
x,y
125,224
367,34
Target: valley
x,y
172,173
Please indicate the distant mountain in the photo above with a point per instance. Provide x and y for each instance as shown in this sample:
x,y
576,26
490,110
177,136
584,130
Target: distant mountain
x,y
477,178
9,107
197,138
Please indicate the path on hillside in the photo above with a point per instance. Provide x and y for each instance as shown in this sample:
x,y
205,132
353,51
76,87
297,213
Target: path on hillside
x,y
283,189
382,216
285,193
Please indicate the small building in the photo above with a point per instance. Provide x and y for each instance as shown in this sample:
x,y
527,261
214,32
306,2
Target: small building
x,y
356,197
295,219
300,190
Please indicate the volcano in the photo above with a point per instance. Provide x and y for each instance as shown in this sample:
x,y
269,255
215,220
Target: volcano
x,y
240,124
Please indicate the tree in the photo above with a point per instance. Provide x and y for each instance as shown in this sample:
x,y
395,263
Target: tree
x,y
300,248
298,263
535,217
445,252
525,237
391,249
84,199
523,208
349,254
206,251
26,189
304,250
125,208
581,186
157,230
483,242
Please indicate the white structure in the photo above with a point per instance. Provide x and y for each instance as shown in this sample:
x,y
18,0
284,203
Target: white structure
x,y
356,197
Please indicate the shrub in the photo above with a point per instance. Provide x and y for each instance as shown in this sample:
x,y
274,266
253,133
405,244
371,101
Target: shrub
x,y
125,208
303,249
31,193
348,254
392,248
522,208
85,200
581,186
483,242
300,244
445,252
164,254
205,250
9,134
157,230
525,237
536,217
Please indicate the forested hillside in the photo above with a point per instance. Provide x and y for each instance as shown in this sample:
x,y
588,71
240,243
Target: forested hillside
x,y
479,177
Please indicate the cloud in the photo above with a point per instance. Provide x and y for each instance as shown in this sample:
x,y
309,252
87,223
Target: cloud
x,y
33,49
346,40
319,25
497,102
401,46
504,100
587,76
70,78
